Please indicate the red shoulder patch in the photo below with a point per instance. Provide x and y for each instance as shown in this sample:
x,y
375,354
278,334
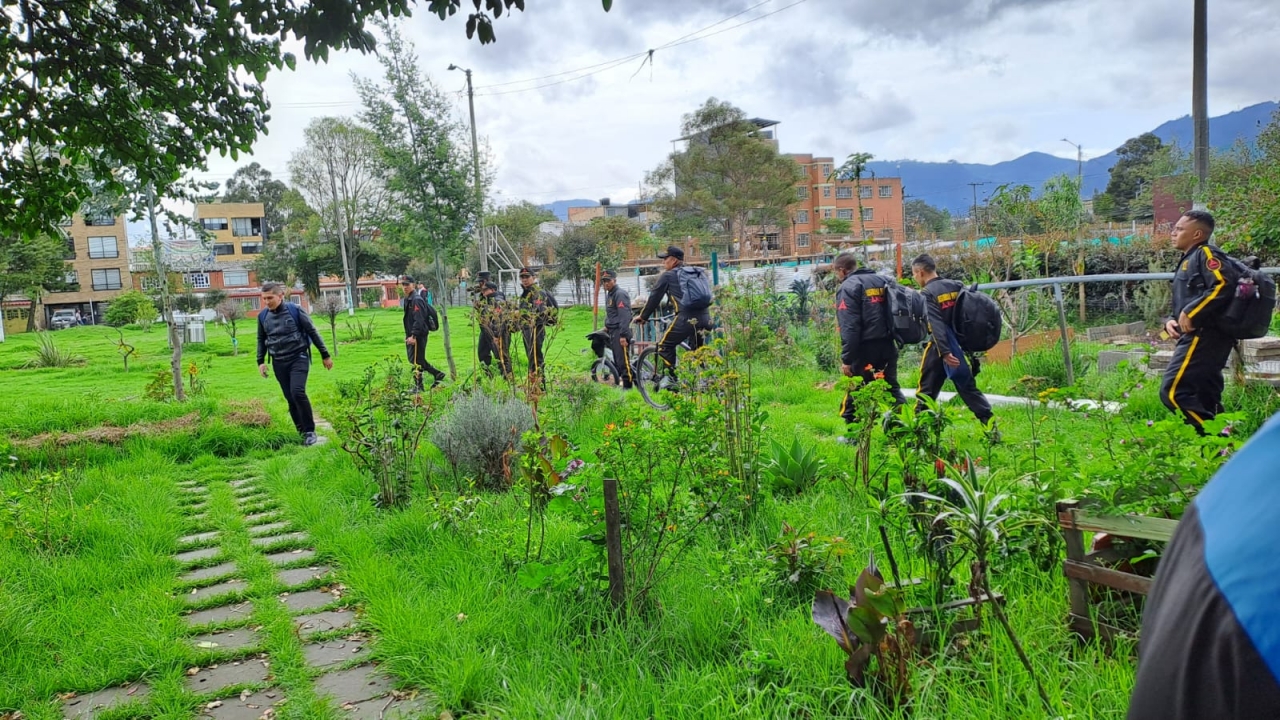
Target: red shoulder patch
x,y
622,305
1214,263
842,306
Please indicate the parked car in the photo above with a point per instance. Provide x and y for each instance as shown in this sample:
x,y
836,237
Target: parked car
x,y
62,319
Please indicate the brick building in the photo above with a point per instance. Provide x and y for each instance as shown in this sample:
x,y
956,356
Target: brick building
x,y
820,198
97,267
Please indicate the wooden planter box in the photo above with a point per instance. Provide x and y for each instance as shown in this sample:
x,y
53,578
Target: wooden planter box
x,y
1082,570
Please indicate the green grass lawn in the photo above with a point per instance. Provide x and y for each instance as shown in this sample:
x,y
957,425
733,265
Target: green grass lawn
x,y
440,591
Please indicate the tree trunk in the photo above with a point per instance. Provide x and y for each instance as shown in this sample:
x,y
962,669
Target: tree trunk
x,y
444,319
166,301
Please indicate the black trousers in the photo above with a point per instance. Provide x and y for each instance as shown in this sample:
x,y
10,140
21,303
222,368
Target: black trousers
x,y
292,376
534,338
495,346
691,327
1193,381
875,356
622,356
417,353
933,373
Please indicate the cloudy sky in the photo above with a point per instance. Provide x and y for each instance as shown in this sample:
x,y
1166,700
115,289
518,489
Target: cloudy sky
x,y
969,80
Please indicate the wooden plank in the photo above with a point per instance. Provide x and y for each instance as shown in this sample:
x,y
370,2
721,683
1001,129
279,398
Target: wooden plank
x,y
1106,577
1148,528
954,605
1077,590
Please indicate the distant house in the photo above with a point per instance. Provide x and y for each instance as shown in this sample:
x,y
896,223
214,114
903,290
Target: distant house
x,y
1170,198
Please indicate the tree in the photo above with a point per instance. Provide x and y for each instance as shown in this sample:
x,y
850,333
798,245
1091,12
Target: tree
x,y
1128,174
837,226
519,224
339,173
213,298
32,266
253,184
123,64
231,312
298,251
925,220
854,167
1244,194
330,306
425,151
726,180
132,307
602,241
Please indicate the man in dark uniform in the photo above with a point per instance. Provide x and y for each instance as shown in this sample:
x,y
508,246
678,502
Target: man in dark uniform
x,y
867,349
1210,643
1203,287
495,338
942,358
689,324
286,333
539,309
617,322
415,333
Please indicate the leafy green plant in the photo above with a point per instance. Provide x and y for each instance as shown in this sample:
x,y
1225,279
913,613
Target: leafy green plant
x,y
380,422
160,387
361,331
371,297
49,355
802,292
481,434
867,400
793,469
873,630
132,307
39,509
799,560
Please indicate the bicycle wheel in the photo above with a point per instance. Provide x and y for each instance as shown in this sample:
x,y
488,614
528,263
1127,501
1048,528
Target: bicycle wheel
x,y
648,381
602,371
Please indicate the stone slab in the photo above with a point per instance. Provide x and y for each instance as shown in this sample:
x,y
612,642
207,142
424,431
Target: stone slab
x,y
227,640
199,595
303,575
269,528
1109,360
195,538
256,518
327,621
269,540
385,708
253,707
217,678
196,507
307,600
288,557
242,482
221,614
191,556
355,685
209,573
89,705
336,651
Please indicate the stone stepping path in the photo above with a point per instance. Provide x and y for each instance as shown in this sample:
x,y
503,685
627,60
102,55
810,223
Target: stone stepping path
x,y
212,572
290,557
246,706
257,518
338,651
227,640
301,602
90,705
270,528
324,622
303,575
226,587
217,678
198,538
195,556
237,613
354,685
271,540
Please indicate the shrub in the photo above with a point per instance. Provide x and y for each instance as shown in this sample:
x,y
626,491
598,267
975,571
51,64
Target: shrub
x,y
132,307
481,433
48,355
380,421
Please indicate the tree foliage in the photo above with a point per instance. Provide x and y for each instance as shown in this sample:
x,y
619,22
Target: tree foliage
x,y
253,184
1244,194
1130,172
925,220
32,265
603,240
727,179
519,224
155,86
132,307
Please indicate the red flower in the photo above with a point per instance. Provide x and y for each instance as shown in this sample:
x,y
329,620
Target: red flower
x,y
940,467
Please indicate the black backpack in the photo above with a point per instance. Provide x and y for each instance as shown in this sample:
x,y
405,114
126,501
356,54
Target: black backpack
x,y
976,321
695,291
1253,301
908,316
433,320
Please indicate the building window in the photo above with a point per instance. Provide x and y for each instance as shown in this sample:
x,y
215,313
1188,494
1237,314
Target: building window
x,y
868,234
14,314
246,227
70,253
212,224
886,191
249,303
65,222
251,248
802,193
224,249
826,170
802,240
150,282
103,247
826,191
868,214
844,193
802,216
108,279
235,278
99,220
71,278
844,214
864,191
196,281
888,234
769,241
826,214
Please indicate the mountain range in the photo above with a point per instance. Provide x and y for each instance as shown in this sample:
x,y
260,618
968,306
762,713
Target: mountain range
x,y
946,184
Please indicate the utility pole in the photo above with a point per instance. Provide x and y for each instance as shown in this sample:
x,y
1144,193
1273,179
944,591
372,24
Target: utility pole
x,y
976,224
1079,163
1200,100
475,167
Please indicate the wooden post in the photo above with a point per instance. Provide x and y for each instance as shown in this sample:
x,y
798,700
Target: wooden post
x,y
1081,615
1066,339
613,544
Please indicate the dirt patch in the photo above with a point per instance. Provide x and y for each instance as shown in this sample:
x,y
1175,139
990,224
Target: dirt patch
x,y
110,434
248,414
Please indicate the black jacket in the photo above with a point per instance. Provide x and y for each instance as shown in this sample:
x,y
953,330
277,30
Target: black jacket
x,y
862,311
940,296
283,339
415,314
668,286
541,303
1203,285
617,313
489,312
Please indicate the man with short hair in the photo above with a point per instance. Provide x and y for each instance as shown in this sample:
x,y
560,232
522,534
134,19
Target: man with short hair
x,y
539,308
617,322
689,323
942,358
495,338
286,333
416,330
1203,287
867,348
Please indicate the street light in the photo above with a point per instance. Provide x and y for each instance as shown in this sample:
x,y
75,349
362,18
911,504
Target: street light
x,y
475,167
1079,162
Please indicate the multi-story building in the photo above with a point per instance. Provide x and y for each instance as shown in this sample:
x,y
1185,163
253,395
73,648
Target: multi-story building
x,y
238,230
97,266
820,198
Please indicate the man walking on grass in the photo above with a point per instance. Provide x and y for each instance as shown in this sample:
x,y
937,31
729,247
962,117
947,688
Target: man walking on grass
x,y
867,348
417,325
286,334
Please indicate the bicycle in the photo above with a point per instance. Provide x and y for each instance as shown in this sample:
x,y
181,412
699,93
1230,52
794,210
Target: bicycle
x,y
652,384
604,369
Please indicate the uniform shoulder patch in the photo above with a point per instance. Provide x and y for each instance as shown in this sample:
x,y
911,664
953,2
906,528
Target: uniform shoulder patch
x,y
842,306
1214,264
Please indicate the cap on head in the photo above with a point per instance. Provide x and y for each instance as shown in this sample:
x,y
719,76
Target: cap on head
x,y
527,272
406,280
609,275
672,251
